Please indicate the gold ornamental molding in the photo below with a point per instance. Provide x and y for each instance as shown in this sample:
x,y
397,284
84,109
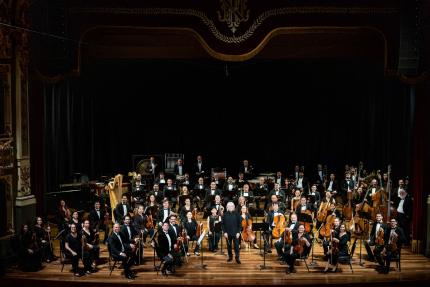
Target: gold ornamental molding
x,y
233,23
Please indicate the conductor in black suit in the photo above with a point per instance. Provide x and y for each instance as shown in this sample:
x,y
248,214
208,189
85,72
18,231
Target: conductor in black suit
x,y
232,225
120,251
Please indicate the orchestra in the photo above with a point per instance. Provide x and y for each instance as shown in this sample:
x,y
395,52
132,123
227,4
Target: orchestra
x,y
294,210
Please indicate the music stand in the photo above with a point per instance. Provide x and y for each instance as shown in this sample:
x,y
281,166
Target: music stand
x,y
199,242
262,227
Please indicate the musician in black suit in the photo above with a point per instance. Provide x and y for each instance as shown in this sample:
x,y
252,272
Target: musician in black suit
x,y
393,239
200,169
261,192
279,178
153,167
375,254
170,192
332,184
404,213
229,189
247,170
300,238
346,185
120,251
161,180
199,193
302,182
280,245
166,246
122,209
128,234
278,192
97,220
179,168
232,226
159,195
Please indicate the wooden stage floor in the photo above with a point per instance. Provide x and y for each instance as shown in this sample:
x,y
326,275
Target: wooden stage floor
x,y
415,269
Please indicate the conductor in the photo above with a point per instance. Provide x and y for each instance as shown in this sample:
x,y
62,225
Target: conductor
x,y
232,225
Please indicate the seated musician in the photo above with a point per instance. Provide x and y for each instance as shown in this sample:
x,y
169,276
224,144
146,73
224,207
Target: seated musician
x,y
138,187
165,247
210,197
314,197
75,220
393,239
248,194
164,213
121,251
295,200
273,212
175,234
199,193
281,245
29,251
97,220
338,248
332,185
122,209
170,192
229,190
300,246
63,216
179,170
190,226
185,194
335,229
241,180
214,228
73,248
278,192
305,212
91,247
129,236
157,193
186,181
44,240
282,208
247,221
240,203
324,208
139,225
376,240
160,180
261,191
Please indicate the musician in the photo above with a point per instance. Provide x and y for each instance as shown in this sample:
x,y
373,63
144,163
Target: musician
x,y
373,189
229,190
241,180
139,224
295,200
232,225
396,191
120,251
170,192
160,180
247,193
166,246
190,226
43,238
200,170
97,219
211,194
339,248
270,219
304,211
179,169
332,185
324,207
185,194
63,216
75,220
159,195
335,229
247,170
138,187
261,191
314,197
302,182
214,227
90,248
247,221
73,246
186,181
394,238
300,246
122,209
404,213
175,233
376,254
218,205
279,178
281,206
199,192
278,192
280,245
185,209
151,210
241,202
128,235
29,251
164,213
347,185
153,167
174,229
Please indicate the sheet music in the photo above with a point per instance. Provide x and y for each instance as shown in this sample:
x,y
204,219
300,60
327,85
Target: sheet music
x,y
199,241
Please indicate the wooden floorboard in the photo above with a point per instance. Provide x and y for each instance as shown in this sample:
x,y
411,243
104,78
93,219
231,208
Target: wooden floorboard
x,y
415,270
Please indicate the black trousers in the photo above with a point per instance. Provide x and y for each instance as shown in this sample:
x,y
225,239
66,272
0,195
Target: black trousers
x,y
125,263
230,240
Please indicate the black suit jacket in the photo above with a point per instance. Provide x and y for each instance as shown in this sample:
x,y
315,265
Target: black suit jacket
x,y
125,236
116,246
119,212
161,214
407,206
373,231
176,169
204,171
232,223
163,244
344,187
95,219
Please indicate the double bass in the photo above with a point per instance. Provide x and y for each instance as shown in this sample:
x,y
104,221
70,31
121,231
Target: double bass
x,y
347,209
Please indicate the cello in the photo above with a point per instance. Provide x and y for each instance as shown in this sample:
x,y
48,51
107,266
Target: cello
x,y
247,234
347,209
279,221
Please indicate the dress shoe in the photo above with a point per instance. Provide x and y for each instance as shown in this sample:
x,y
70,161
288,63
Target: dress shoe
x,y
238,261
256,246
229,259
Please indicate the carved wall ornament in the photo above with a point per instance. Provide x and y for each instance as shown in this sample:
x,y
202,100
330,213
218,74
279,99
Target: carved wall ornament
x,y
233,12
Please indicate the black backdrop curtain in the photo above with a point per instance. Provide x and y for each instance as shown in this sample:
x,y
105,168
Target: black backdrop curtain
x,y
301,113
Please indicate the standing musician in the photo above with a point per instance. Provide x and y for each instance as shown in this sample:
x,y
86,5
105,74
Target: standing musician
x,y
376,239
324,208
73,246
190,226
138,187
300,246
283,245
43,237
97,219
164,213
90,248
214,227
30,253
63,216
247,170
247,234
394,238
339,248
347,185
200,168
166,245
122,209
302,182
121,251
232,225
130,238
404,213
140,224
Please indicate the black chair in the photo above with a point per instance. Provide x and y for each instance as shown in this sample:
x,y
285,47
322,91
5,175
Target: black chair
x,y
304,256
397,258
64,257
110,259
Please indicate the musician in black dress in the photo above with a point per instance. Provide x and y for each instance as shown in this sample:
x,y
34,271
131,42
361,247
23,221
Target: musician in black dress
x,y
30,253
91,247
190,226
214,228
43,237
338,248
73,247
232,226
